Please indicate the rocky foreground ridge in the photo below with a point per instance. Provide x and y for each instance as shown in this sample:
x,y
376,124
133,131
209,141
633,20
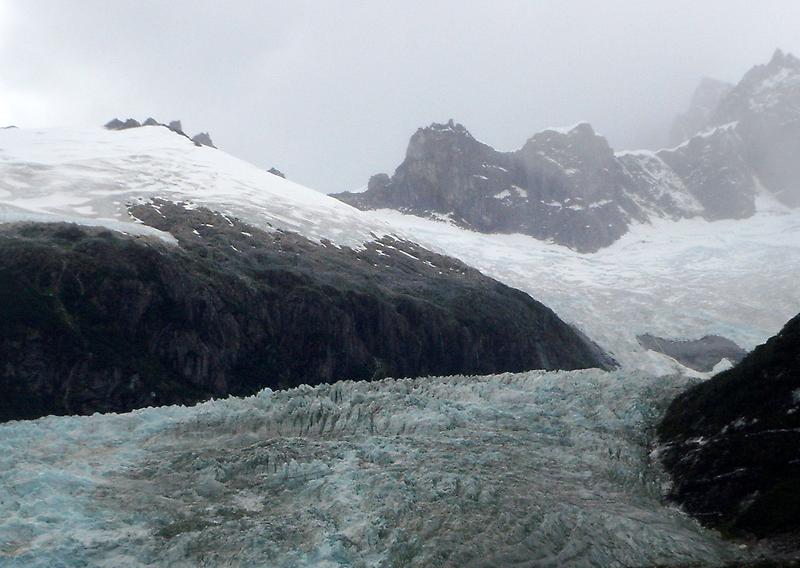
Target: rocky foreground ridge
x,y
732,444
570,186
94,320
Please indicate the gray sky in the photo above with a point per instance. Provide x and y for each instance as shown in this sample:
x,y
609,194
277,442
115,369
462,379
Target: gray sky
x,y
330,91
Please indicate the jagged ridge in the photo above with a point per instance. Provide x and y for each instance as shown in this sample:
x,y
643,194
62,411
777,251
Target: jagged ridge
x,y
569,186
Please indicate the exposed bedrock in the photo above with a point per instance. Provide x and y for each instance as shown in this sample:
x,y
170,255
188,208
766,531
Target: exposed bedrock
x,y
732,443
99,321
699,354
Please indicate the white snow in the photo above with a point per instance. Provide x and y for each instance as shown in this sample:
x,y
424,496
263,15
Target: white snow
x,y
506,193
708,133
689,278
662,182
90,174
535,469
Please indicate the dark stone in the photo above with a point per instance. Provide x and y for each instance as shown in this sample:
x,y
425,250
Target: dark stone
x,y
732,443
203,139
378,182
151,122
97,321
704,102
698,354
176,127
117,124
564,186
715,169
276,172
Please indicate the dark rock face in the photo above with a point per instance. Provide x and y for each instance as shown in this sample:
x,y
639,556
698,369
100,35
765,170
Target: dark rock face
x,y
698,354
732,443
715,171
176,127
704,102
766,104
117,124
96,321
276,172
567,186
570,187
203,139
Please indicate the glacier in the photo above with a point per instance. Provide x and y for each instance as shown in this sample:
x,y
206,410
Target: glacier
x,y
675,279
532,469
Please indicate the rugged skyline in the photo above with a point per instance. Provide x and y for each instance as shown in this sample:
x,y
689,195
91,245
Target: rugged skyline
x,y
330,92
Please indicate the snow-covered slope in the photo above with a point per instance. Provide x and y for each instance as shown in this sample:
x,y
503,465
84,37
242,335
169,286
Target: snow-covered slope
x,y
671,279
679,280
512,470
90,174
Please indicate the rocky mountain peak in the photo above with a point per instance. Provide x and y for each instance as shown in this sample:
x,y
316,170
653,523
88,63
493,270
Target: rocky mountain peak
x,y
781,59
705,100
569,186
768,89
575,144
440,138
117,124
203,139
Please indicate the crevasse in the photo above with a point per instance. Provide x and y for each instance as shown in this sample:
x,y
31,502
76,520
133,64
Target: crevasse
x,y
530,469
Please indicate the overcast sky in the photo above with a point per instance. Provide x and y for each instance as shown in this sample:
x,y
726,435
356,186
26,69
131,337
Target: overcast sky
x,y
330,91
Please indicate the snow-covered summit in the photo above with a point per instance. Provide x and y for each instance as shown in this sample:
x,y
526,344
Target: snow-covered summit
x,y
90,176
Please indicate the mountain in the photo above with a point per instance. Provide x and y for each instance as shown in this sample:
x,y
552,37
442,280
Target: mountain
x,y
731,443
705,100
569,186
138,269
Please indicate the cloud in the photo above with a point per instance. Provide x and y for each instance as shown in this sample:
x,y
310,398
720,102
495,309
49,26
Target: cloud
x,y
330,91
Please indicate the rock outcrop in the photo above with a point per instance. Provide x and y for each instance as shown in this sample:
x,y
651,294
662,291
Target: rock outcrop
x,y
704,102
569,186
203,139
277,172
732,443
566,185
699,354
98,321
117,124
176,127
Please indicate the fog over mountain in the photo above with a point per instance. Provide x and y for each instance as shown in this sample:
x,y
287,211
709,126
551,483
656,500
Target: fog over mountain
x,y
328,92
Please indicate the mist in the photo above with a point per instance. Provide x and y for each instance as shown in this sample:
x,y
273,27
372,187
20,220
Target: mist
x,y
329,92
